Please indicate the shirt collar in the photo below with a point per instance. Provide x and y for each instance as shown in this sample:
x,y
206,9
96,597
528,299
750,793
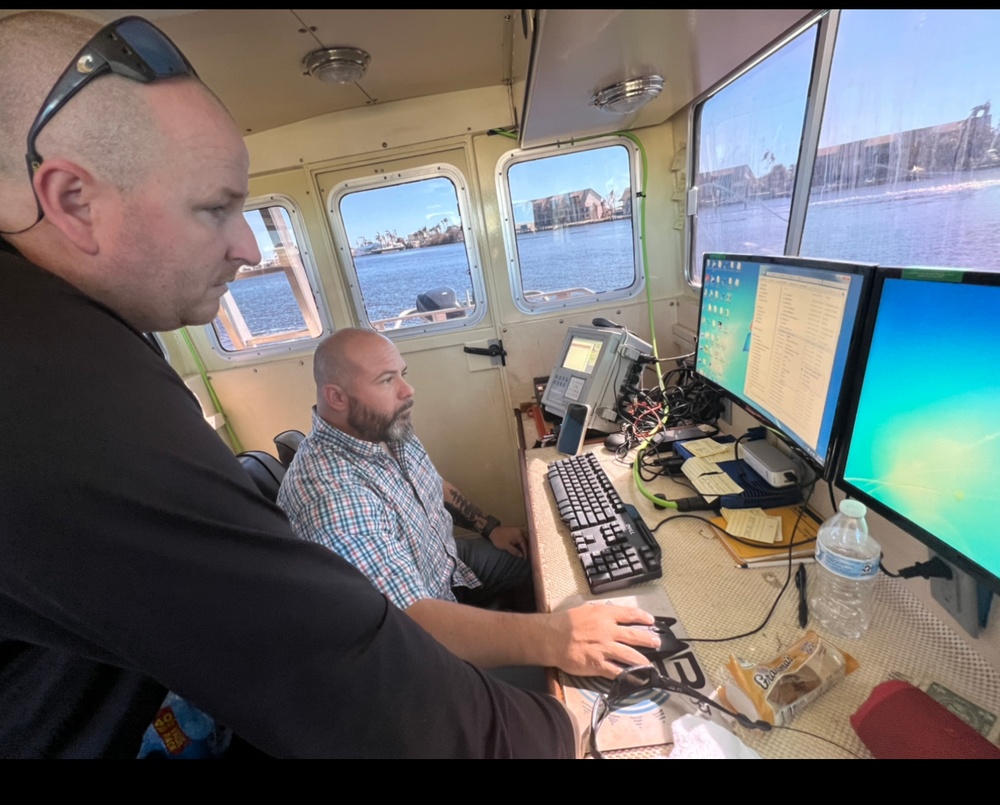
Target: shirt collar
x,y
326,432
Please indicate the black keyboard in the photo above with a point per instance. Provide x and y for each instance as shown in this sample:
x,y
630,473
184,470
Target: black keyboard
x,y
616,547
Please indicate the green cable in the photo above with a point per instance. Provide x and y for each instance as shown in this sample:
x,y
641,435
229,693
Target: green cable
x,y
645,260
636,477
666,504
237,447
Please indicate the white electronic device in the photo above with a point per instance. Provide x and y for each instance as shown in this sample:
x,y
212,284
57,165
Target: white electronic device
x,y
770,463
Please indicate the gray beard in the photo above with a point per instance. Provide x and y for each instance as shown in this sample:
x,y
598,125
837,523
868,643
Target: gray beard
x,y
374,427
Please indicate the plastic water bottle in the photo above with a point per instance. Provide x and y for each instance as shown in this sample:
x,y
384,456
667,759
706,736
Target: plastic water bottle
x,y
842,585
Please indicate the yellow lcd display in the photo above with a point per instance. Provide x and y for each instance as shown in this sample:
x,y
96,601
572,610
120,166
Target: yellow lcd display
x,y
582,354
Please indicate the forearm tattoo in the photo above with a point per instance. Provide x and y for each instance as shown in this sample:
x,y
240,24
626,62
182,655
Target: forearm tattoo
x,y
463,511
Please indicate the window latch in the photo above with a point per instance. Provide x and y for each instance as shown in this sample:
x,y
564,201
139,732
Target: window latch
x,y
495,350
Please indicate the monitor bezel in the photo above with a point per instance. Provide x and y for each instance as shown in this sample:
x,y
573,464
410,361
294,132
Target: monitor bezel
x,y
935,544
823,468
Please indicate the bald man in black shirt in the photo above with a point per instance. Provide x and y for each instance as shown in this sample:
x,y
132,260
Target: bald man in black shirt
x,y
135,554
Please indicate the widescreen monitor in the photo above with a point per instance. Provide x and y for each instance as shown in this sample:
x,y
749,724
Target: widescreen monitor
x,y
922,446
778,334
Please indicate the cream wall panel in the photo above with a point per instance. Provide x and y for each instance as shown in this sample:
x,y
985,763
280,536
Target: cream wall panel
x,y
368,130
469,434
262,401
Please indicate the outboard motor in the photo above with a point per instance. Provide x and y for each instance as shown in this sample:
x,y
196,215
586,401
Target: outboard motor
x,y
439,299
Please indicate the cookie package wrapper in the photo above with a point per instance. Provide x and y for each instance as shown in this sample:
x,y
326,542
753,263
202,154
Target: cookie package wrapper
x,y
775,691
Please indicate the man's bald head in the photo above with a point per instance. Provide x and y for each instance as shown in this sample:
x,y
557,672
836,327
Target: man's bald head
x,y
361,386
107,127
141,184
340,356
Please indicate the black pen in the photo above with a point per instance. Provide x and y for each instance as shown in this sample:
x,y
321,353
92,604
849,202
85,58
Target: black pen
x,y
800,582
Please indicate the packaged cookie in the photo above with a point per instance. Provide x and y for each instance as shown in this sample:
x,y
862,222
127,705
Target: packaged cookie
x,y
775,691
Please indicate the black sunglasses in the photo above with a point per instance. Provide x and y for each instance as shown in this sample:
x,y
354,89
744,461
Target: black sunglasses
x,y
130,47
640,678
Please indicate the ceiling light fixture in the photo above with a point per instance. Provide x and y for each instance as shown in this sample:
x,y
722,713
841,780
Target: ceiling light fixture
x,y
340,65
626,97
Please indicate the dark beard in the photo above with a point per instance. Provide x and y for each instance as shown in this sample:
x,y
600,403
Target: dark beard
x,y
374,427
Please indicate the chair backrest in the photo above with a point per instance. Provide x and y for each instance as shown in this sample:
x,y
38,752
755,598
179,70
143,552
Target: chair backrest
x,y
265,470
287,443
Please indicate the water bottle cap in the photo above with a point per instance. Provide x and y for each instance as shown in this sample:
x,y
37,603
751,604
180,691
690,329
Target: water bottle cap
x,y
852,508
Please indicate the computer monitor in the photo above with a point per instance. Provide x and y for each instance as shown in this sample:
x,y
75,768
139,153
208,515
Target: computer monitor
x,y
777,335
592,366
923,439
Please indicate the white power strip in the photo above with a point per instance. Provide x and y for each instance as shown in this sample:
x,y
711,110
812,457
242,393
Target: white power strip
x,y
770,463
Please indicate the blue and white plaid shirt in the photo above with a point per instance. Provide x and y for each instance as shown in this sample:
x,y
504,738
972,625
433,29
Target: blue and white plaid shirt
x,y
384,514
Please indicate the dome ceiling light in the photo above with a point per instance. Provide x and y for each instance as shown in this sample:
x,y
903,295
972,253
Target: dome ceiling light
x,y
626,97
341,65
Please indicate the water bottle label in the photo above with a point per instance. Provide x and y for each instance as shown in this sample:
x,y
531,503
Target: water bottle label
x,y
846,566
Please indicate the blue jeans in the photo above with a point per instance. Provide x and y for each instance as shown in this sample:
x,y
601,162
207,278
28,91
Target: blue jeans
x,y
506,578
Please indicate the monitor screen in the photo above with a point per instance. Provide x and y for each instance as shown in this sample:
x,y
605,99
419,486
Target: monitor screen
x,y
777,335
582,354
923,444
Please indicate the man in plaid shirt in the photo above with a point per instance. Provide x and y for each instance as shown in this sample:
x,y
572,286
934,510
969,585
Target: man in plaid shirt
x,y
363,486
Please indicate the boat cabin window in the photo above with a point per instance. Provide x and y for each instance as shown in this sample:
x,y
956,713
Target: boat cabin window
x,y
272,306
569,224
410,254
908,170
747,137
895,158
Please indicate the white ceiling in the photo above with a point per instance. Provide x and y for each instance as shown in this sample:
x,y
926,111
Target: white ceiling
x,y
578,52
253,58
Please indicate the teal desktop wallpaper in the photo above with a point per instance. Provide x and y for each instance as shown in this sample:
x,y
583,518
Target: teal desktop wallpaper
x,y
926,440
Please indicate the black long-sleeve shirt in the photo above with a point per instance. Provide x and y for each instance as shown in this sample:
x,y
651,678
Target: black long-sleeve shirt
x,y
136,556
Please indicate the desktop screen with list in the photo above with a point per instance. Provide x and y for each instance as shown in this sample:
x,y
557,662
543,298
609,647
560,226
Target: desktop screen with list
x,y
777,337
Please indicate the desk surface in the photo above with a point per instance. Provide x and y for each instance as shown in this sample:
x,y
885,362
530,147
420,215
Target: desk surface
x,y
714,598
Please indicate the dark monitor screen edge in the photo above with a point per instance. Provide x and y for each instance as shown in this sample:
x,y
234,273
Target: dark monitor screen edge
x,y
922,439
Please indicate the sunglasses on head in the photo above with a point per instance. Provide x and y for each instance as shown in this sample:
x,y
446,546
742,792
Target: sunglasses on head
x,y
640,678
131,47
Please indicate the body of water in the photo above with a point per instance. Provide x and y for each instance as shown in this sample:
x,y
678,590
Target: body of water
x,y
951,221
948,221
595,256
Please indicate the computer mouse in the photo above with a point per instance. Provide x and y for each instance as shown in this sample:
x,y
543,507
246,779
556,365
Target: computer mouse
x,y
669,644
615,441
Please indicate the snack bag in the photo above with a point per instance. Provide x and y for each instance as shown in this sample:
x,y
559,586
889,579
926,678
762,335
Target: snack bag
x,y
775,691
181,730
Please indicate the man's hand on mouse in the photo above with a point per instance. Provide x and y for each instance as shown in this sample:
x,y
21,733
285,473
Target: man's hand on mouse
x,y
597,639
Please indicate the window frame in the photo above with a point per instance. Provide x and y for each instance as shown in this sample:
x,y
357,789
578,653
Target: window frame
x,y
506,208
342,246
324,319
826,21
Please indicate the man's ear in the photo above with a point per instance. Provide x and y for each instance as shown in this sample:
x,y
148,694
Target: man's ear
x,y
335,397
66,193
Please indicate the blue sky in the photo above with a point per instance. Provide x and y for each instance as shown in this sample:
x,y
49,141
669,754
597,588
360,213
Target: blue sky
x,y
892,71
408,207
404,208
